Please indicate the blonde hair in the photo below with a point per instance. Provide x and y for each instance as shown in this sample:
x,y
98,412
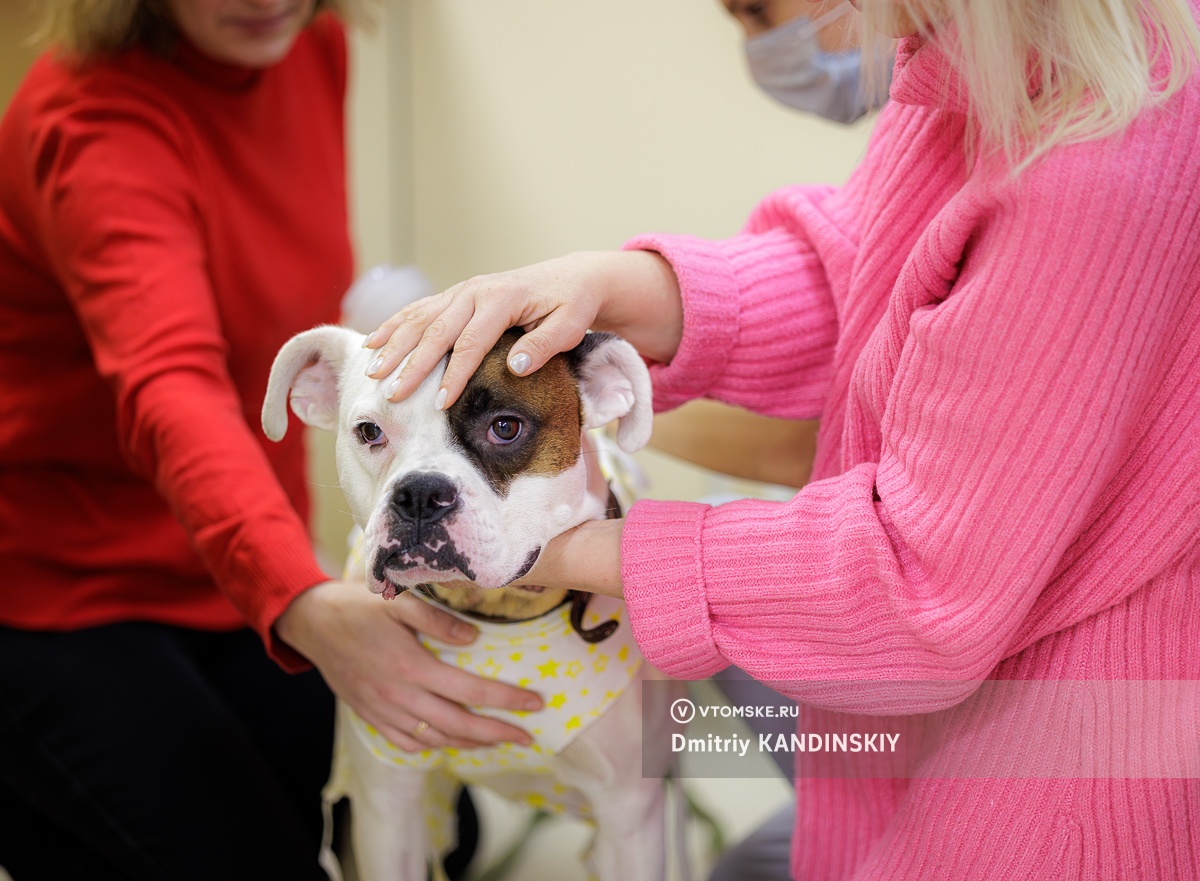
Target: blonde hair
x,y
89,29
1042,73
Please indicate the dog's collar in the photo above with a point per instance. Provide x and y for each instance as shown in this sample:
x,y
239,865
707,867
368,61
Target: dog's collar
x,y
426,591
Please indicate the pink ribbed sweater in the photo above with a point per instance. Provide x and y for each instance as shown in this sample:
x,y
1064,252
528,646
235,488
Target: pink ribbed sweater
x,y
1007,484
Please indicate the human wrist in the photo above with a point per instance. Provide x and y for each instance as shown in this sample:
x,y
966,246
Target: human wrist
x,y
642,302
586,558
293,624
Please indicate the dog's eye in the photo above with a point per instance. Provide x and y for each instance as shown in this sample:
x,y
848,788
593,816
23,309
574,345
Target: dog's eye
x,y
504,430
370,434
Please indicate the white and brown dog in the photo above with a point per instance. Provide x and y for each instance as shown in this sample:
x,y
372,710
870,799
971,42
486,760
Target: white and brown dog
x,y
473,494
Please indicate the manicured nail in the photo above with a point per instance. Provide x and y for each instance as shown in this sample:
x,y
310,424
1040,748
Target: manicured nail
x,y
518,364
375,365
392,389
370,338
439,402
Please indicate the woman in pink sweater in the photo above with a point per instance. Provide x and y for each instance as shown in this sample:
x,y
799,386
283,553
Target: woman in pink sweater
x,y
997,320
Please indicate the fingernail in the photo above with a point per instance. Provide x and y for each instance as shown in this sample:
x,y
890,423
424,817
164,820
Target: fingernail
x,y
462,631
440,401
531,704
392,389
370,338
518,364
375,365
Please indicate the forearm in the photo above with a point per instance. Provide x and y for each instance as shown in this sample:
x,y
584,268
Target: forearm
x,y
759,323
586,558
217,479
642,303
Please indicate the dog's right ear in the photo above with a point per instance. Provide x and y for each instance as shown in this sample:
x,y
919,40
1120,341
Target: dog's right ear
x,y
614,384
308,366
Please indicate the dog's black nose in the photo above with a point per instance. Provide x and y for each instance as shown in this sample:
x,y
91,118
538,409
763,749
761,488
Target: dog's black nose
x,y
424,498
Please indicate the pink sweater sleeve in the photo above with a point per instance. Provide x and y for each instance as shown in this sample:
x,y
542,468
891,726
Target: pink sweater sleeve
x,y
1008,405
760,323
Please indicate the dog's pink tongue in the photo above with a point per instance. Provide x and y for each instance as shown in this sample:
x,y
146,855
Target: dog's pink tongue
x,y
389,591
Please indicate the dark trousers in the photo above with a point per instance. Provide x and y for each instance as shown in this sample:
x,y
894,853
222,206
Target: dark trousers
x,y
141,751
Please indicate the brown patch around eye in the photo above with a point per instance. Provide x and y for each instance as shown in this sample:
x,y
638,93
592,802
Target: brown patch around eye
x,y
546,402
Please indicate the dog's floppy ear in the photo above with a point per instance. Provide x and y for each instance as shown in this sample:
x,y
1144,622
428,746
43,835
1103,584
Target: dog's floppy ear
x,y
614,384
308,366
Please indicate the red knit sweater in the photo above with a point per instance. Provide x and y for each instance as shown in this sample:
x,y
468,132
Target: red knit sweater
x,y
165,225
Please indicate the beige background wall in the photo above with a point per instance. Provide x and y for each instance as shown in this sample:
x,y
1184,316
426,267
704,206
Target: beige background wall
x,y
15,26
541,126
486,134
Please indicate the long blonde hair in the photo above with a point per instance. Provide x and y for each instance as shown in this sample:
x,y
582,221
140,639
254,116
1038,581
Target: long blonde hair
x,y
88,29
1095,64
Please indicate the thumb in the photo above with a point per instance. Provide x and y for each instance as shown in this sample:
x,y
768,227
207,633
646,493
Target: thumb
x,y
556,334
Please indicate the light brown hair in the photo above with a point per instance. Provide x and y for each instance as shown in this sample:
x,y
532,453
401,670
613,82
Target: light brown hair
x,y
89,29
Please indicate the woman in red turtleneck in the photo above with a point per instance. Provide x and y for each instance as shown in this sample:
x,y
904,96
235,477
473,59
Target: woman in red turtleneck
x,y
172,209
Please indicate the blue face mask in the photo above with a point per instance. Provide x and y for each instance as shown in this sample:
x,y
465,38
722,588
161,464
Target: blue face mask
x,y
788,64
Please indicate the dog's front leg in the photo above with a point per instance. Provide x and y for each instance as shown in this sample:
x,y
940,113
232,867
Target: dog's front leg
x,y
630,842
387,809
605,764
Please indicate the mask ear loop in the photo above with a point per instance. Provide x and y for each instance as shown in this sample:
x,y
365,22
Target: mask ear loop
x,y
802,31
840,11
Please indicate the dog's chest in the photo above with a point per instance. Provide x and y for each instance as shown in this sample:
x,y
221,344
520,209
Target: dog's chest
x,y
577,680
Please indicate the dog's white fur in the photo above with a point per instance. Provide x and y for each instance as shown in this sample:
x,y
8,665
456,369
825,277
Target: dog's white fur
x,y
325,369
325,372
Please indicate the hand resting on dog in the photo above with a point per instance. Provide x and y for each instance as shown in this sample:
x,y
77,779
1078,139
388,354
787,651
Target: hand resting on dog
x,y
369,654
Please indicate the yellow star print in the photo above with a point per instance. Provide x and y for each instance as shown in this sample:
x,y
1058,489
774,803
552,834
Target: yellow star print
x,y
548,669
488,668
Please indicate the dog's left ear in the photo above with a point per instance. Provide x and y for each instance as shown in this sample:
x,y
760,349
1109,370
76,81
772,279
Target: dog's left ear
x,y
308,366
614,384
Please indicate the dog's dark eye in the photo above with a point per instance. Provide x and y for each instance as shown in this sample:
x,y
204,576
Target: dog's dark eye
x,y
370,434
504,430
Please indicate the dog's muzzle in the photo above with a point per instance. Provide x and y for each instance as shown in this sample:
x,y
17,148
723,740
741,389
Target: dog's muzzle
x,y
420,510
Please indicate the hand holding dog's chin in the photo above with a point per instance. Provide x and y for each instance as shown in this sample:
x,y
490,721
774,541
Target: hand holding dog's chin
x,y
586,558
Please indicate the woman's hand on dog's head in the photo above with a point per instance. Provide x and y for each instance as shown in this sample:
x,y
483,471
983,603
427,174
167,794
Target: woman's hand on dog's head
x,y
633,294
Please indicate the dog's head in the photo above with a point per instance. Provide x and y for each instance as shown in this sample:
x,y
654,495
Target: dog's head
x,y
473,492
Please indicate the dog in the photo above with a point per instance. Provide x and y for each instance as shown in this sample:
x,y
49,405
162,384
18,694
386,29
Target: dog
x,y
456,505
